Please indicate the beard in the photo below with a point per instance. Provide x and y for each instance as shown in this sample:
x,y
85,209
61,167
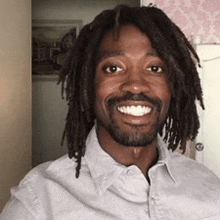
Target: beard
x,y
136,135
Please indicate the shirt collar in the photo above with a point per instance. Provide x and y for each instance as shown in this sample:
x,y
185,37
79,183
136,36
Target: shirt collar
x,y
104,169
165,157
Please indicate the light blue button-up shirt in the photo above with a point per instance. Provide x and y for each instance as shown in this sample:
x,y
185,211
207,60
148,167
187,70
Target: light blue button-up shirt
x,y
180,188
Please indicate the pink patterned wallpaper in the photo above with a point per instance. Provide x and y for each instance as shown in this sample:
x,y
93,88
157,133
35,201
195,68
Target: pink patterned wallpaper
x,y
197,18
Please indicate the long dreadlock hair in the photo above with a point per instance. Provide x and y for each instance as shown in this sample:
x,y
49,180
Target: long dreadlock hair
x,y
167,39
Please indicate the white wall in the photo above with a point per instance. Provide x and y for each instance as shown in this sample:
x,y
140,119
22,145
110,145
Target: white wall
x,y
209,55
15,94
49,110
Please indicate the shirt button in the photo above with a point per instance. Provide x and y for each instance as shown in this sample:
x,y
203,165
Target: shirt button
x,y
153,202
130,172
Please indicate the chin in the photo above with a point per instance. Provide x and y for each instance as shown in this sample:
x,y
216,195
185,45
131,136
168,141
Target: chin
x,y
136,136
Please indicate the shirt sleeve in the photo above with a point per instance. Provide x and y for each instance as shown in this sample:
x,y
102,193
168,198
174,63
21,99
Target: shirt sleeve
x,y
15,210
24,203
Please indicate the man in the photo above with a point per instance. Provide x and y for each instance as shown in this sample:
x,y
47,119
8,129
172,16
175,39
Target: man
x,y
131,84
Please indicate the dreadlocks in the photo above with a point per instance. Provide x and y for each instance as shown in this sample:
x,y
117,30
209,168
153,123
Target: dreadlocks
x,y
77,76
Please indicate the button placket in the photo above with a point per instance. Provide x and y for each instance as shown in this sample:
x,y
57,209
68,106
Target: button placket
x,y
152,196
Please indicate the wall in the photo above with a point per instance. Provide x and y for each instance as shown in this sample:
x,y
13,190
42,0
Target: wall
x,y
49,110
15,94
49,113
198,18
84,10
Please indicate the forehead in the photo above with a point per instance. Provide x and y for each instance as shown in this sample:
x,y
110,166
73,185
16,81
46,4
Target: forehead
x,y
127,37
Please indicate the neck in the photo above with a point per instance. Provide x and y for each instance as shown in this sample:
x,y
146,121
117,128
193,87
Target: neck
x,y
143,157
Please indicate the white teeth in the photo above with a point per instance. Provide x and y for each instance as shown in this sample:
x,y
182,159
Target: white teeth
x,y
135,110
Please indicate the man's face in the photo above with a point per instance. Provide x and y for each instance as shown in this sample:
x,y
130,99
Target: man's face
x,y
131,87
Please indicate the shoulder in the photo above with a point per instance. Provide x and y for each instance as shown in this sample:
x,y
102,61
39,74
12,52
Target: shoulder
x,y
60,171
59,174
194,189
197,187
191,167
196,175
43,171
35,180
188,164
47,184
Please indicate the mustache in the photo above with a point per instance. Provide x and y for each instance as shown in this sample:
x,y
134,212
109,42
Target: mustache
x,y
129,96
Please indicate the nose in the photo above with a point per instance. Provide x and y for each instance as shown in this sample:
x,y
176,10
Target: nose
x,y
135,83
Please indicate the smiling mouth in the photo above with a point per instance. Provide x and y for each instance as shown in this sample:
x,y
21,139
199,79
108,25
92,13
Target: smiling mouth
x,y
135,110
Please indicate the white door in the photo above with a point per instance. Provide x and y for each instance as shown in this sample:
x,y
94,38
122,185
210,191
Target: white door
x,y
209,134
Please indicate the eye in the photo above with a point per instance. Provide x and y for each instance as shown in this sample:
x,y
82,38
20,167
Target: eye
x,y
155,69
112,69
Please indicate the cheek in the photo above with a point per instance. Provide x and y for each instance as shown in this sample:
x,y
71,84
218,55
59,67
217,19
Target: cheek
x,y
105,87
102,92
162,90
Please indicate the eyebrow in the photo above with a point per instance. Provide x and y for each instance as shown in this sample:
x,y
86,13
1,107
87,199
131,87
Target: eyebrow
x,y
105,54
152,53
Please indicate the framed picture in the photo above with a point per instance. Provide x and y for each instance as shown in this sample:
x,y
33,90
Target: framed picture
x,y
51,41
